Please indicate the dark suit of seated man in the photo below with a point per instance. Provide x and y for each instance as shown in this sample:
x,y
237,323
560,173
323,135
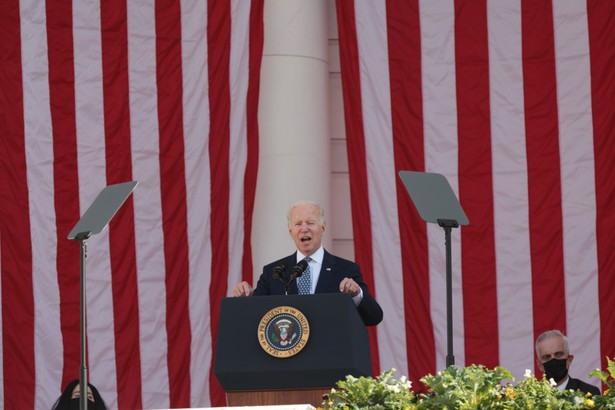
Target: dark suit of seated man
x,y
326,273
554,359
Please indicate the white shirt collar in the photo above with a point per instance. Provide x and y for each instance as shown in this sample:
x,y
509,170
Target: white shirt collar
x,y
317,256
562,386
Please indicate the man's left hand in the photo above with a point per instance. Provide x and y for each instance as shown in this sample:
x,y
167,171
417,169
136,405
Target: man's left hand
x,y
349,286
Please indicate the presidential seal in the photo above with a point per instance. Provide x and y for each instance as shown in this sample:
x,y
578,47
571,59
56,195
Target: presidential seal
x,y
283,331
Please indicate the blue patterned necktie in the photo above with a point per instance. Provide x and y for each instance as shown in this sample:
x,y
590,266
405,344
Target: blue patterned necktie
x,y
304,282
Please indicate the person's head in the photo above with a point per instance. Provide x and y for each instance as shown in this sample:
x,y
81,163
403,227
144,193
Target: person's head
x,y
306,226
553,355
70,397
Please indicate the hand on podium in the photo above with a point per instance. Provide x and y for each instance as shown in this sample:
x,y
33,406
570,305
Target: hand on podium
x,y
243,289
348,285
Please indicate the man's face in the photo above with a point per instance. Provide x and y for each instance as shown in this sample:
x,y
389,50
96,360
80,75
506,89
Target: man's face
x,y
305,228
551,348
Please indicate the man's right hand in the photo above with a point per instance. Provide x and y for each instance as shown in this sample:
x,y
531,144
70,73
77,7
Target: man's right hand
x,y
243,289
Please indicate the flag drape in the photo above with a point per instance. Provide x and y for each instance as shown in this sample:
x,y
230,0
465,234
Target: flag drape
x,y
512,102
97,93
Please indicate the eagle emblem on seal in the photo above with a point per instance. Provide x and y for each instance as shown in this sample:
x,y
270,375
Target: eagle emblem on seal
x,y
282,329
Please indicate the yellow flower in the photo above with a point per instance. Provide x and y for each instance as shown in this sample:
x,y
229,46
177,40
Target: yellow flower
x,y
589,403
510,393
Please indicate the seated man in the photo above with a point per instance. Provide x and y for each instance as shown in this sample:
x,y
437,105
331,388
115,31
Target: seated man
x,y
324,272
554,359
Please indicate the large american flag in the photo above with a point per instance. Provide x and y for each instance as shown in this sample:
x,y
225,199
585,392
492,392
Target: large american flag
x,y
514,102
96,93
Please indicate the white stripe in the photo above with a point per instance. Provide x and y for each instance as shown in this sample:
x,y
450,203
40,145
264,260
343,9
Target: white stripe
x,y
372,45
441,151
196,141
149,237
510,189
238,74
1,327
578,194
92,179
48,348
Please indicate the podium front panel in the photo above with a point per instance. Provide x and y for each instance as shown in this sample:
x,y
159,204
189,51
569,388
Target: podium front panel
x,y
338,344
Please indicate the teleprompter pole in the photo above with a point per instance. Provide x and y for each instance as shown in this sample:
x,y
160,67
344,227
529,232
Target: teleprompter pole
x,y
447,225
83,370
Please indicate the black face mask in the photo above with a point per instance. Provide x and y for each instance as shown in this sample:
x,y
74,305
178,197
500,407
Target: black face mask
x,y
556,369
74,404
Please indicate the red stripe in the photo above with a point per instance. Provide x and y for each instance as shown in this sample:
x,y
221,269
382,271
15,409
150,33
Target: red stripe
x,y
16,249
218,41
121,229
256,56
349,61
173,192
476,184
66,181
404,39
602,54
544,182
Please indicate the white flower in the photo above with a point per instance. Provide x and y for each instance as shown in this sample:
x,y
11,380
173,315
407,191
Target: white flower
x,y
394,388
552,382
405,382
527,374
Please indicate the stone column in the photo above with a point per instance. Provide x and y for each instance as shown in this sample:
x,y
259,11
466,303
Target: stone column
x,y
293,120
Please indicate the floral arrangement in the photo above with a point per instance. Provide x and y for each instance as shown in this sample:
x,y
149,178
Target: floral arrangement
x,y
471,387
384,392
607,400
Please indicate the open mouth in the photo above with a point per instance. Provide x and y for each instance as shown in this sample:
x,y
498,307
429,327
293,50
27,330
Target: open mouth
x,y
306,239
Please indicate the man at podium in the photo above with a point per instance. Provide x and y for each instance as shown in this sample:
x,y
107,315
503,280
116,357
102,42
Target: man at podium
x,y
311,269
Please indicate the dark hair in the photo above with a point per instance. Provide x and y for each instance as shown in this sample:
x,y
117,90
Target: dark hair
x,y
64,400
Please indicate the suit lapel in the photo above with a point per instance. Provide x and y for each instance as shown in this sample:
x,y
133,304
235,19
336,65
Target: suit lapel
x,y
326,272
290,261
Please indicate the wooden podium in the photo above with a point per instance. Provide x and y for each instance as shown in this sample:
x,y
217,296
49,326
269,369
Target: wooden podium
x,y
335,345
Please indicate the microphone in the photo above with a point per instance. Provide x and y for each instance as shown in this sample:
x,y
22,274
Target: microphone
x,y
278,272
298,270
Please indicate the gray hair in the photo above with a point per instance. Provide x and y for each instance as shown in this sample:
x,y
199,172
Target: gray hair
x,y
548,335
321,212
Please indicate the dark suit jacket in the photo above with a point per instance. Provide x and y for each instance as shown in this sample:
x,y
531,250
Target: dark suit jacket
x,y
576,384
334,269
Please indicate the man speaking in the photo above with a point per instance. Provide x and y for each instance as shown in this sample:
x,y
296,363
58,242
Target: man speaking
x,y
311,269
